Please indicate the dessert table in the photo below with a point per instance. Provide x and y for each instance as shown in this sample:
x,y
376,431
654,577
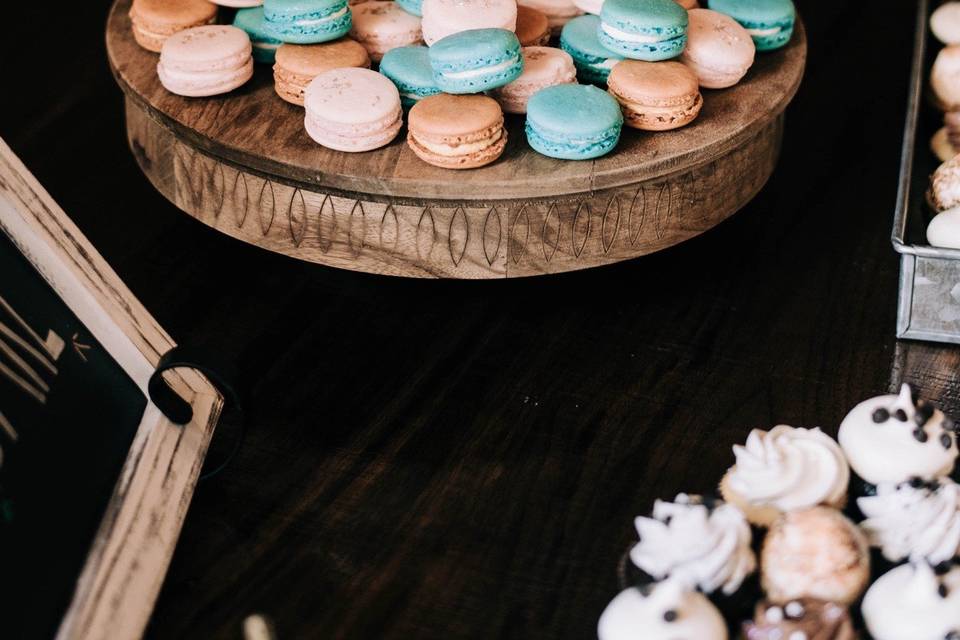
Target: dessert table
x,y
464,459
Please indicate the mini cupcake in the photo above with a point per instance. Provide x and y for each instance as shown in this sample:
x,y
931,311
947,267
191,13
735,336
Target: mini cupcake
x,y
661,611
916,521
786,469
815,553
913,602
806,618
698,542
890,440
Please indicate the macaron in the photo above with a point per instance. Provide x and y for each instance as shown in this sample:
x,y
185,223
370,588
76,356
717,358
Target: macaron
x,y
533,28
264,44
307,21
688,4
476,60
542,67
769,22
413,7
719,50
352,110
442,18
558,12
205,61
580,39
589,6
297,64
409,69
457,131
238,4
381,25
643,29
655,96
945,23
573,122
942,146
153,21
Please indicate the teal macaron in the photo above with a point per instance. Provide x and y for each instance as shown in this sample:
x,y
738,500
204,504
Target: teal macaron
x,y
307,21
476,60
264,44
409,69
648,30
593,61
573,122
769,22
412,6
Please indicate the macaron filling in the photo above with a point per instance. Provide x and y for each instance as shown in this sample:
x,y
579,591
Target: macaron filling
x,y
483,70
632,36
461,149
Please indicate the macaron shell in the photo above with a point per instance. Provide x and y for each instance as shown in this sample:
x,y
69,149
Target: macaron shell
x,y
409,69
202,85
573,122
264,44
352,96
558,12
307,21
239,4
719,50
297,64
945,78
442,18
769,22
153,21
542,67
350,140
381,25
649,30
589,6
476,60
413,7
533,28
593,61
469,128
205,61
655,96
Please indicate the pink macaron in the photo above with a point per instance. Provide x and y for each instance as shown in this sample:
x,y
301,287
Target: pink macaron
x,y
558,12
718,50
542,67
205,61
352,109
381,25
442,18
238,4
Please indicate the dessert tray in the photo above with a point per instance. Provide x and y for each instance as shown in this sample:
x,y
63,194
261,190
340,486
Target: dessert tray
x,y
242,164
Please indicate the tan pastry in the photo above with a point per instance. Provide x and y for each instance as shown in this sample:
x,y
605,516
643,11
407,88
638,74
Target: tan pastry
x,y
945,78
815,553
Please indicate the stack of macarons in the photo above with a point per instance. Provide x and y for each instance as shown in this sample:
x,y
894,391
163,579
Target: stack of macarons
x,y
639,63
943,230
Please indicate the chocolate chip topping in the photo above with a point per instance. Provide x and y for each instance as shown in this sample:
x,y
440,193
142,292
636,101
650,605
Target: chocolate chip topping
x,y
946,440
948,424
900,415
645,590
952,635
943,568
924,413
670,615
920,435
943,591
916,482
881,415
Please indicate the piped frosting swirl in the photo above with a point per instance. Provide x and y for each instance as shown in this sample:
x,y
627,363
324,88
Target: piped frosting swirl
x,y
914,520
790,468
700,543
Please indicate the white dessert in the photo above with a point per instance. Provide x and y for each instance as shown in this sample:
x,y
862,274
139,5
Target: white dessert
x,y
789,468
911,602
695,544
662,611
919,522
944,230
889,440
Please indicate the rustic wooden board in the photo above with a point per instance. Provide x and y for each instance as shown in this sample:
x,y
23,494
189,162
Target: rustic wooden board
x,y
126,564
242,164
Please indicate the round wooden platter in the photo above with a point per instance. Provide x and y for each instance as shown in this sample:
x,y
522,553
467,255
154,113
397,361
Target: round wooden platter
x,y
242,164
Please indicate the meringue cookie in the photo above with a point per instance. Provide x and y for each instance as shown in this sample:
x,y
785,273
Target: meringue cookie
x,y
914,521
911,602
786,469
889,440
806,618
705,545
816,553
662,611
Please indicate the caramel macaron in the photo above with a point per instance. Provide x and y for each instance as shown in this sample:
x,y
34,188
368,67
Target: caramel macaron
x,y
655,96
297,64
533,27
457,131
153,21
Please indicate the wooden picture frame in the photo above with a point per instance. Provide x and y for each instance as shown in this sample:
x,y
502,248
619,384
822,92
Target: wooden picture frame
x,y
135,540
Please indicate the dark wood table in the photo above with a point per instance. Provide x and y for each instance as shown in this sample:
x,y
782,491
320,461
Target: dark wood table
x,y
464,460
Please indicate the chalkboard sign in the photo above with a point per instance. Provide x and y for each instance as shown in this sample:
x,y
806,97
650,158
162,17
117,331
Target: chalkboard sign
x,y
94,480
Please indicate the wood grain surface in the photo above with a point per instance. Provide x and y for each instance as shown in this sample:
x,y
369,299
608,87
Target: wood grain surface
x,y
450,459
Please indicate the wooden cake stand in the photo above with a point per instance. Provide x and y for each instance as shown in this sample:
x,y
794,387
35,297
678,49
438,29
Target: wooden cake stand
x,y
243,164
